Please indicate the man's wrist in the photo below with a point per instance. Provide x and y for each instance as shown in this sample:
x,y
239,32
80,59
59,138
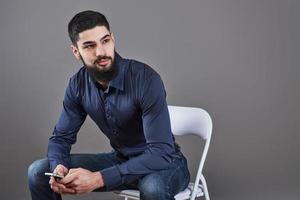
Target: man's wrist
x,y
99,179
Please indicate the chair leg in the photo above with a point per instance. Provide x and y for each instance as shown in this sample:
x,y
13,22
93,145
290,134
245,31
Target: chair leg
x,y
205,189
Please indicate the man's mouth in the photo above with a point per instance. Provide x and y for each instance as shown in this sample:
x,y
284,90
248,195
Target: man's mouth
x,y
102,62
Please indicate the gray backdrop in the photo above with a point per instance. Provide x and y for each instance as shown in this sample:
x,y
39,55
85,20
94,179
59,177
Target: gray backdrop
x,y
235,58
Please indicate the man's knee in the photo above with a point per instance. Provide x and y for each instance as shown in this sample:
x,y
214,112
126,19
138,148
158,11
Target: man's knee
x,y
36,170
152,187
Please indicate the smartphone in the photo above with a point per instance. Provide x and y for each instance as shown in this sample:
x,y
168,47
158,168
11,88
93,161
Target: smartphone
x,y
56,176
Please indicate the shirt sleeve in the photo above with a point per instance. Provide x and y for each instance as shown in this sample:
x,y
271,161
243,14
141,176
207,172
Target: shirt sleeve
x,y
158,135
67,127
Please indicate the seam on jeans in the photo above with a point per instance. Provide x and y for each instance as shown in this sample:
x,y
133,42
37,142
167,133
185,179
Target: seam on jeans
x,y
169,180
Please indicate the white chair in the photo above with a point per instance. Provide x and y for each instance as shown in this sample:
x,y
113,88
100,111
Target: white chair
x,y
186,120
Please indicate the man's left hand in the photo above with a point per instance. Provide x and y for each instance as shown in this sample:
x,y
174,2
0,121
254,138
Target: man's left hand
x,y
82,180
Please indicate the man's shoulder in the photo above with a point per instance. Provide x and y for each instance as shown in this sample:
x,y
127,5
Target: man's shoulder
x,y
81,74
79,80
137,68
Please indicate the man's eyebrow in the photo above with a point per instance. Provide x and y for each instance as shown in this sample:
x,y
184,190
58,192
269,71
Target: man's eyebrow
x,y
91,42
88,42
107,35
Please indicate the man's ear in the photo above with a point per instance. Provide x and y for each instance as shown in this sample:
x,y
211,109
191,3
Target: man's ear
x,y
75,51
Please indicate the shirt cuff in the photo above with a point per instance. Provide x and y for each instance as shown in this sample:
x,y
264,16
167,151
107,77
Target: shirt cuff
x,y
111,177
53,163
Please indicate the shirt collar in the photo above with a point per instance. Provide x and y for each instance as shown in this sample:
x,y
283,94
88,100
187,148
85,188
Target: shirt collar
x,y
118,81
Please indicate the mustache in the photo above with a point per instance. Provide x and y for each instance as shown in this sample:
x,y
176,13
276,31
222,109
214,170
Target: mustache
x,y
99,58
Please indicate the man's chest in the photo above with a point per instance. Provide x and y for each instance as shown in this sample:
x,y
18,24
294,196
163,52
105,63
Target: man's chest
x,y
117,108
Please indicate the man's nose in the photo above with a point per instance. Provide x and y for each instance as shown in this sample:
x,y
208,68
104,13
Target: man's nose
x,y
100,51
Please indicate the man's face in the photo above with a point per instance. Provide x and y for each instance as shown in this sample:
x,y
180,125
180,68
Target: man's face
x,y
96,49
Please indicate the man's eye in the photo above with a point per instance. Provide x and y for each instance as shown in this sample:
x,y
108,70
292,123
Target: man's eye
x,y
88,46
105,41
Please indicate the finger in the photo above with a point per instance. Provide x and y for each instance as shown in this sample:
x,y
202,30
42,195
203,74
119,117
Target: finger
x,y
62,189
54,183
77,190
65,170
69,178
55,189
68,191
51,180
60,169
74,170
71,185
58,185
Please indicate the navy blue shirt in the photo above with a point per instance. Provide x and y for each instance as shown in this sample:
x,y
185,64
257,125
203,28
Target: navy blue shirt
x,y
132,112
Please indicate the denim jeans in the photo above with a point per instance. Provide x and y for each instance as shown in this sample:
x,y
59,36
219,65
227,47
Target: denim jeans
x,y
160,185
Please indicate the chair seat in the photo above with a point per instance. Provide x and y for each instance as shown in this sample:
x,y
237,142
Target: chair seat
x,y
185,194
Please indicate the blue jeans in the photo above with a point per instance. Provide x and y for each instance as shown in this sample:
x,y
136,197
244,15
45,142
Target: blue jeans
x,y
161,185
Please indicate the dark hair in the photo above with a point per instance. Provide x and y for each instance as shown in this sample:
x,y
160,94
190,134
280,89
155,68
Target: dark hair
x,y
83,21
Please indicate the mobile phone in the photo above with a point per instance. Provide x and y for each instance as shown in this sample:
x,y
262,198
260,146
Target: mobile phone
x,y
56,176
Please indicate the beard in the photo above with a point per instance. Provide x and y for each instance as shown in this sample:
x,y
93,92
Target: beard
x,y
102,75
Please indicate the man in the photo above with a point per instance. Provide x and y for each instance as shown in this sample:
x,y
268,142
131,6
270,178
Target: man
x,y
127,101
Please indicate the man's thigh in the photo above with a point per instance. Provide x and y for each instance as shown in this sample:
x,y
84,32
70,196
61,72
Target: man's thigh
x,y
92,162
165,184
95,162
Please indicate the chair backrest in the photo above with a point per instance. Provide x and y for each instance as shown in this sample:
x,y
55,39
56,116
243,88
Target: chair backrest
x,y
189,120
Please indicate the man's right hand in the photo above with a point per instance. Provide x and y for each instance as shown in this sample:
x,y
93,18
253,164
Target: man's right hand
x,y
58,187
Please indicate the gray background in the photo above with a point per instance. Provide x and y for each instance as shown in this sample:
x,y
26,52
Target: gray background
x,y
235,58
